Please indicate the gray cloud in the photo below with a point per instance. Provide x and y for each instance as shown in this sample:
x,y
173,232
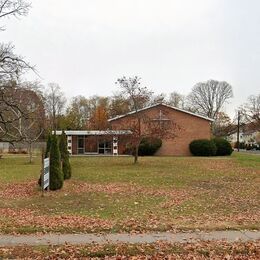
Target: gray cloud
x,y
85,45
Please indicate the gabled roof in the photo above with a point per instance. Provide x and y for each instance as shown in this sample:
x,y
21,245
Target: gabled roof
x,y
155,105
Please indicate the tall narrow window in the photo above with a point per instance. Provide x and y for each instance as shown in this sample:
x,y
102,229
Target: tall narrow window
x,y
81,145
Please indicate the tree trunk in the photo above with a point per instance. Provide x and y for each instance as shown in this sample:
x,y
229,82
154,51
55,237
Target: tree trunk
x,y
136,154
30,152
139,140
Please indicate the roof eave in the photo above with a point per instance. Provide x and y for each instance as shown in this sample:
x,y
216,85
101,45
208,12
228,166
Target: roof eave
x,y
172,107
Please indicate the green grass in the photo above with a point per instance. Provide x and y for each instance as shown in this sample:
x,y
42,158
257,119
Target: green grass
x,y
159,193
248,160
15,168
166,172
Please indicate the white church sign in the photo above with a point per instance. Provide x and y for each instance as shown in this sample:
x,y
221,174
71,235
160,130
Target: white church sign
x,y
46,173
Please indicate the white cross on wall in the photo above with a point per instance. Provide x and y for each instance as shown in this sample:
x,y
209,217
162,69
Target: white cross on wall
x,y
161,119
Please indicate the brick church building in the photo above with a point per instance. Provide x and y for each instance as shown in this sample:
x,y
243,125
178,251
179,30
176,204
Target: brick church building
x,y
115,140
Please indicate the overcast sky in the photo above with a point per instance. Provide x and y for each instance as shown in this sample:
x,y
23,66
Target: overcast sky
x,y
85,45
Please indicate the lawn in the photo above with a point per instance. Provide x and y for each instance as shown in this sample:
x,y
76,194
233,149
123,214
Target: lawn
x,y
159,250
110,194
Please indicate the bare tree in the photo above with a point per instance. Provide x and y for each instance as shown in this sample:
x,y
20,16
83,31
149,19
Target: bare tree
x,y
251,111
223,126
208,97
156,99
131,89
10,111
54,104
14,8
137,96
22,117
78,113
32,127
257,138
11,67
139,123
177,100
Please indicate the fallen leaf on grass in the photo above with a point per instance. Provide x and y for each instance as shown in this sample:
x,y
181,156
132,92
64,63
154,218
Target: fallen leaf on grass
x,y
19,190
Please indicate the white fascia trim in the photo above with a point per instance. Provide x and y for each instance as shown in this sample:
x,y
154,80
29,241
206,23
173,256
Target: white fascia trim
x,y
93,132
172,107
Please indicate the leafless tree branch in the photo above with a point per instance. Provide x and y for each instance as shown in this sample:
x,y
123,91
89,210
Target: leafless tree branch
x,y
15,8
251,111
209,97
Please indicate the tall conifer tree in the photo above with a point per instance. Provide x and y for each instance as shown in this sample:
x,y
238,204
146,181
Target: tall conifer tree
x,y
48,146
56,175
66,167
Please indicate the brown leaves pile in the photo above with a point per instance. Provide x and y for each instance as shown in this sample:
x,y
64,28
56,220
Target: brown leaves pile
x,y
26,217
224,166
159,250
19,190
130,189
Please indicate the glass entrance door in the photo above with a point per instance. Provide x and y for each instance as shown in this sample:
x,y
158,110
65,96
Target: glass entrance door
x,y
105,147
81,144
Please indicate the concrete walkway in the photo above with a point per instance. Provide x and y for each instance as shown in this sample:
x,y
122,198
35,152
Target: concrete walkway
x,y
54,239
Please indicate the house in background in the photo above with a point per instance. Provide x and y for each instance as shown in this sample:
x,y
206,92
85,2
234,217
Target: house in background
x,y
248,135
4,147
116,140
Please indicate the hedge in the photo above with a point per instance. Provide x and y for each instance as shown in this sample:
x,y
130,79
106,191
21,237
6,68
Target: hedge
x,y
149,146
203,147
223,147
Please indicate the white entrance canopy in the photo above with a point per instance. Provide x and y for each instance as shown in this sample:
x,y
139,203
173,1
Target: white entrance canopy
x,y
94,132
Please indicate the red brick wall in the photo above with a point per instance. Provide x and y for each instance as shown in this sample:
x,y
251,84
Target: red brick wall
x,y
188,128
74,144
91,143
122,142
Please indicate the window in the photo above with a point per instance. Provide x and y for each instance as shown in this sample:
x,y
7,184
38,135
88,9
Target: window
x,y
81,145
105,147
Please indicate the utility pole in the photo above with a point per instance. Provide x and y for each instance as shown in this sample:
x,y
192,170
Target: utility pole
x,y
238,129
